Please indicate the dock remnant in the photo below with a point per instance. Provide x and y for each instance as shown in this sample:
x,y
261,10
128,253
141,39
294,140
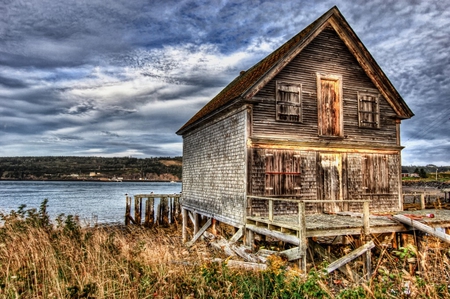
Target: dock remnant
x,y
159,209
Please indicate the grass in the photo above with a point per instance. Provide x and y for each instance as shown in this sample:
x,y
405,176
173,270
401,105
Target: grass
x,y
44,259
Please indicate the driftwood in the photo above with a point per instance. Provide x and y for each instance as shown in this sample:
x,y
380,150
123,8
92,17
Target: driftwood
x,y
242,265
422,227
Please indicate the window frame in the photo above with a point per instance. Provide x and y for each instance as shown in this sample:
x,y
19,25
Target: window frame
x,y
362,97
279,103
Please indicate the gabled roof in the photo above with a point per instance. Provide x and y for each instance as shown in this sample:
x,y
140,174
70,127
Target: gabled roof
x,y
250,82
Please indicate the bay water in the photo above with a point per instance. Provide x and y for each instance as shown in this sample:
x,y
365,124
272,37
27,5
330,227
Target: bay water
x,y
92,201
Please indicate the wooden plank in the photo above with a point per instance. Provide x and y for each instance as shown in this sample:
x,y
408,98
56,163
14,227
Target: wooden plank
x,y
199,233
291,239
422,227
292,254
349,257
237,235
246,265
242,252
328,256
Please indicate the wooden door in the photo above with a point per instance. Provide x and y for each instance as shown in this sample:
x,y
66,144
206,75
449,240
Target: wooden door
x,y
330,181
330,105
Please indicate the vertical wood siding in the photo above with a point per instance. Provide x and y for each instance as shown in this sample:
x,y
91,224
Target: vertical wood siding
x,y
326,54
315,175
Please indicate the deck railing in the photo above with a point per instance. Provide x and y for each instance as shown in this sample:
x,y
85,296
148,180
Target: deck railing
x,y
301,210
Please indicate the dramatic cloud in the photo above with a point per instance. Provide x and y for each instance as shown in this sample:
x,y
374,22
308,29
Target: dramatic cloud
x,y
119,77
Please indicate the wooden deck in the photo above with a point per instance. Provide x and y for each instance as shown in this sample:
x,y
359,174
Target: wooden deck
x,y
323,225
288,228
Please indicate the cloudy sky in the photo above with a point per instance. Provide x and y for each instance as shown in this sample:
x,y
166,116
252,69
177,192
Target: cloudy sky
x,y
120,77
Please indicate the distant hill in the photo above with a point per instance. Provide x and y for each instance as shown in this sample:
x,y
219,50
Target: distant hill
x,y
90,168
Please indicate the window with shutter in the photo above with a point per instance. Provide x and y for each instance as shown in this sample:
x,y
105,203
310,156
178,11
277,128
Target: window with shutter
x,y
282,173
368,110
289,102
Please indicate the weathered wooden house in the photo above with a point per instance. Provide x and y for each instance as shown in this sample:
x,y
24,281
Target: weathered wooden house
x,y
315,121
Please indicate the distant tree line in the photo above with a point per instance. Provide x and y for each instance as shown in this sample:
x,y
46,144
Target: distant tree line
x,y
159,168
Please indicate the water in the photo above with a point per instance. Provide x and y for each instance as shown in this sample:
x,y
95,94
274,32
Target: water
x,y
93,202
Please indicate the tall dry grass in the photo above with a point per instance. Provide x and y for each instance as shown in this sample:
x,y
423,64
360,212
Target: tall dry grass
x,y
44,259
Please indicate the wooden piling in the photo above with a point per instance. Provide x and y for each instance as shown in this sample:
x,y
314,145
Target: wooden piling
x,y
137,209
127,210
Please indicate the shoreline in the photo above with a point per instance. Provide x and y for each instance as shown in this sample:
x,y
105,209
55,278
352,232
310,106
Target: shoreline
x,y
87,180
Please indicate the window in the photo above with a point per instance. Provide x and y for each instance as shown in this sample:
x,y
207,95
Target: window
x,y
289,102
369,110
329,101
282,173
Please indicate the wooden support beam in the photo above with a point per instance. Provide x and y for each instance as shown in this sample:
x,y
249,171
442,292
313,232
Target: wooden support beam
x,y
199,233
249,238
422,227
191,217
237,235
184,215
349,257
196,222
328,256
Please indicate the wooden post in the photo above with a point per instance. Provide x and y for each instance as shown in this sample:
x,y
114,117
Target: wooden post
x,y
196,222
127,209
422,201
151,210
184,215
213,226
171,208
368,257
366,218
158,213
164,210
270,210
303,241
137,210
147,216
249,238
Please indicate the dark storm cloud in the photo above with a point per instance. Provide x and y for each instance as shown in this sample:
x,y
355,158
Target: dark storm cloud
x,y
120,77
11,82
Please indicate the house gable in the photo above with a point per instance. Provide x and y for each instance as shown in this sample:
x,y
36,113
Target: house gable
x,y
327,59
